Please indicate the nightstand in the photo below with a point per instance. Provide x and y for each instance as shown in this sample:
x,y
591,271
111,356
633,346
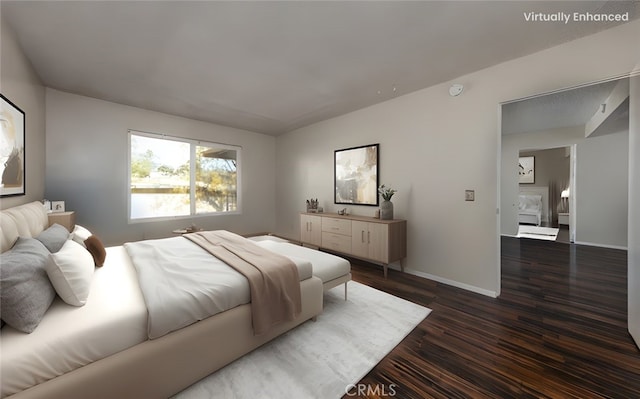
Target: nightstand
x,y
66,219
563,218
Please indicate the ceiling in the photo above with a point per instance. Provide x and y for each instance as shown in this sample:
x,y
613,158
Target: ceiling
x,y
566,108
272,67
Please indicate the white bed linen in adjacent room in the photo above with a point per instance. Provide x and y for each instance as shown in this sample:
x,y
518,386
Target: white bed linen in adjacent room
x,y
530,209
113,319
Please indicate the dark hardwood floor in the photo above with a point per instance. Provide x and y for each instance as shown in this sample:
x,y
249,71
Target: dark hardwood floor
x,y
558,330
563,234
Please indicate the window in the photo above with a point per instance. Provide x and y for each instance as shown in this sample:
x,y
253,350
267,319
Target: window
x,y
173,177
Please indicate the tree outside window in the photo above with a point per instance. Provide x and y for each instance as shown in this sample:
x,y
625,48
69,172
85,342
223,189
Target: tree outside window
x,y
172,177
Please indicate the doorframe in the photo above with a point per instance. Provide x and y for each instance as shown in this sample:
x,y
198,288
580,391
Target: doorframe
x,y
573,162
572,202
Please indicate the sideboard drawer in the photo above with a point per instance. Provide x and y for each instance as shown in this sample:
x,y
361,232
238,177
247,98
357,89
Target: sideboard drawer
x,y
335,225
336,242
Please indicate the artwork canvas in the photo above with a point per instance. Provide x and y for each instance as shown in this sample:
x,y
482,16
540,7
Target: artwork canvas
x,y
526,169
12,143
356,175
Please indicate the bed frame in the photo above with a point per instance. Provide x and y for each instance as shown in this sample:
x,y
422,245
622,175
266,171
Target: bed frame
x,y
164,366
544,214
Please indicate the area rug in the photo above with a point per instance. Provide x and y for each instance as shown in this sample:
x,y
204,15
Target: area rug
x,y
538,233
319,359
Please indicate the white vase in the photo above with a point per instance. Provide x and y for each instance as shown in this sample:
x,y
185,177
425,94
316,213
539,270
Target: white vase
x,y
386,210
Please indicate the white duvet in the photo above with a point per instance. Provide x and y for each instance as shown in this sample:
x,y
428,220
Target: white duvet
x,y
182,283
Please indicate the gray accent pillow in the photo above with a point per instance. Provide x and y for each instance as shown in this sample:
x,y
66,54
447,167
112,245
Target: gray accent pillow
x,y
54,237
25,290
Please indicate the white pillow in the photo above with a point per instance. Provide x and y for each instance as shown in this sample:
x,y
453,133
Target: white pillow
x,y
70,271
80,234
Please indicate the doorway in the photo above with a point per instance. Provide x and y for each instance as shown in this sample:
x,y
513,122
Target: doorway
x,y
550,180
591,125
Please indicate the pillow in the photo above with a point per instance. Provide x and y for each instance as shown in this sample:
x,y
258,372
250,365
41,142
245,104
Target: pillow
x,y
530,202
521,203
25,290
54,237
96,249
80,234
70,271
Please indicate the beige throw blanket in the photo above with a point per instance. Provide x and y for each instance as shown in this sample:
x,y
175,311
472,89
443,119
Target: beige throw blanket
x,y
273,279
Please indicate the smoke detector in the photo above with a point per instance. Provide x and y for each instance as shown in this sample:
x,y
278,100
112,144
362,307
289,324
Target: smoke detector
x,y
456,89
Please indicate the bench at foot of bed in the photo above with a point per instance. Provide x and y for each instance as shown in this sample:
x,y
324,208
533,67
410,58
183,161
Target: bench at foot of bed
x,y
331,269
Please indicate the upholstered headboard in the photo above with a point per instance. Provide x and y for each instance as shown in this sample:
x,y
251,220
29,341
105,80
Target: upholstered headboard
x,y
530,202
26,220
539,190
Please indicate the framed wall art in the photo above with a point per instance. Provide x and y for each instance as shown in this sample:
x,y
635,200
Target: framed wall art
x,y
356,175
57,206
527,170
12,145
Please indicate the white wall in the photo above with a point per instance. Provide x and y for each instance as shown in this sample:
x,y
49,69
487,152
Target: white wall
x,y
87,166
602,180
20,84
434,146
634,210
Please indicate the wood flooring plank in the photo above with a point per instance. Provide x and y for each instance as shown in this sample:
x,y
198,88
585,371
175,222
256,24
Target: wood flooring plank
x,y
558,330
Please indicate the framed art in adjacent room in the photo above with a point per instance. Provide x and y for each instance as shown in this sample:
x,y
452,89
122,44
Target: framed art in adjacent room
x,y
356,175
12,130
527,170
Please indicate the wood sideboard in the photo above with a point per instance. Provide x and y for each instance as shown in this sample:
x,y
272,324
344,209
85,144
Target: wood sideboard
x,y
374,240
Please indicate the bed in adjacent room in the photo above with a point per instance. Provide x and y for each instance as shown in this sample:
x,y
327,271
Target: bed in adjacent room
x,y
530,209
101,338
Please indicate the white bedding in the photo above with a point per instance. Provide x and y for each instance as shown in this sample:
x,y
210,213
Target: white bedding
x,y
113,319
184,283
190,285
530,209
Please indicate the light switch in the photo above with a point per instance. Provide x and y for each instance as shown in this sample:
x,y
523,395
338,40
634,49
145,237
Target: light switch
x,y
469,195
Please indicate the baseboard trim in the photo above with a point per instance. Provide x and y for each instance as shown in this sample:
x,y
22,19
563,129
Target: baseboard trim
x,y
453,283
593,244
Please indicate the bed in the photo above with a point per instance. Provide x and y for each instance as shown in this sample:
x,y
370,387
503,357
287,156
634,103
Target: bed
x,y
530,209
102,349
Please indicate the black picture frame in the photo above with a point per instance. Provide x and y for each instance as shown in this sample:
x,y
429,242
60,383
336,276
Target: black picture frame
x,y
12,149
355,175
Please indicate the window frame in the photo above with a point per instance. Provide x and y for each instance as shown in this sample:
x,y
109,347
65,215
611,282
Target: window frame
x,y
193,143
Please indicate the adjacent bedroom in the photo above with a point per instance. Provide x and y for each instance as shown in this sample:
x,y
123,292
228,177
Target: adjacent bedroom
x,y
543,194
